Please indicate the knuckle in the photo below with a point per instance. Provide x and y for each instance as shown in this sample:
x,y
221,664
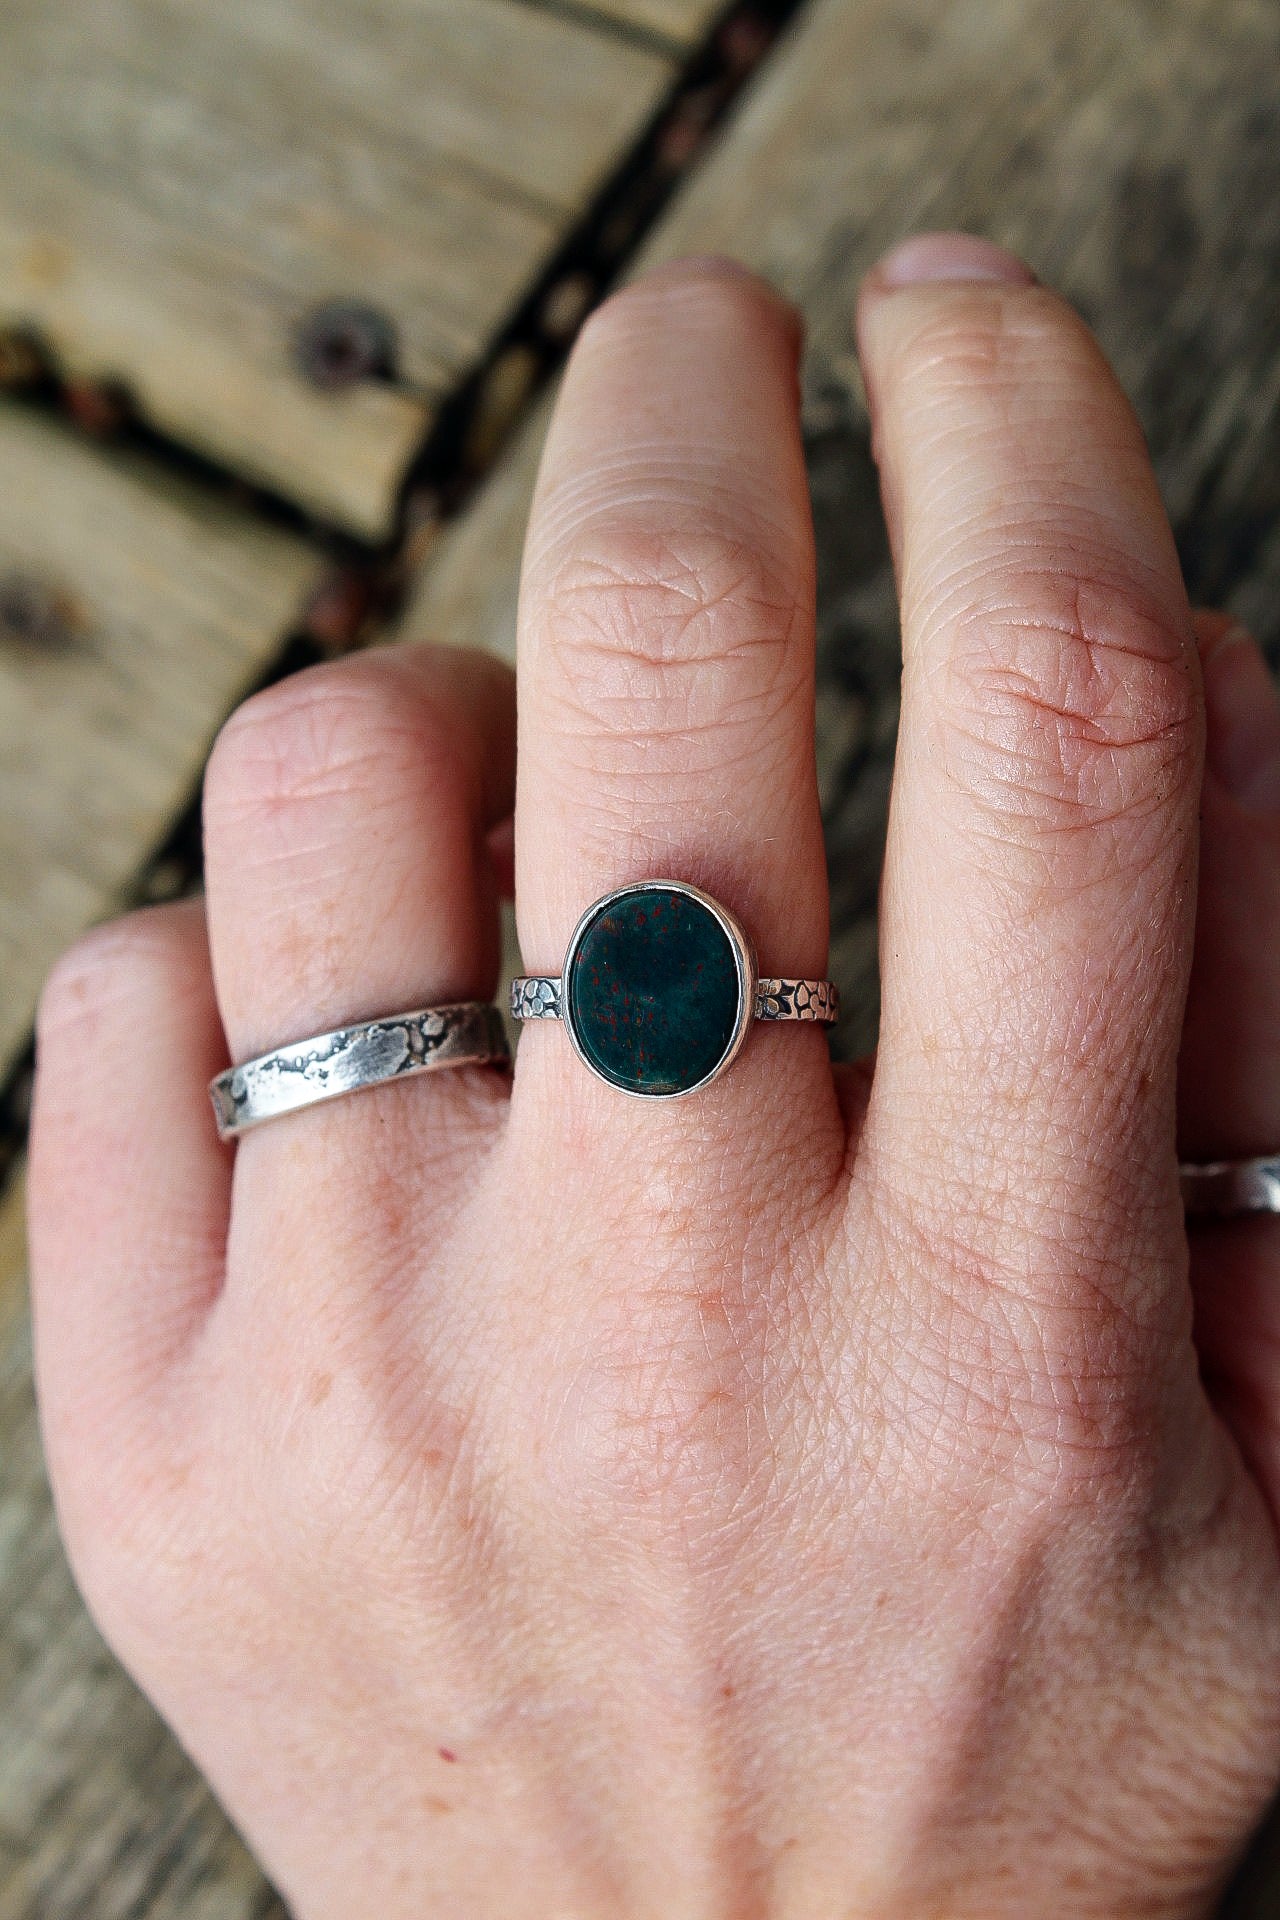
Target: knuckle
x,y
989,337
1051,1404
1044,1365
1072,706
331,737
117,962
672,624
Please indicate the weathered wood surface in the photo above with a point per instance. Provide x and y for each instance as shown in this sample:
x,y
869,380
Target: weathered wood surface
x,y
134,613
181,184
1132,153
681,23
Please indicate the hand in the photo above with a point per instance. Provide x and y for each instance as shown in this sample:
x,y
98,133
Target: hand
x,y
801,1499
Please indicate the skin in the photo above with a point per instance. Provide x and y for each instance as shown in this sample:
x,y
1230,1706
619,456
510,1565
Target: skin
x,y
839,1493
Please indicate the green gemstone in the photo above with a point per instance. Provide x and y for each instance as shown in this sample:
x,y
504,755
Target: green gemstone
x,y
653,993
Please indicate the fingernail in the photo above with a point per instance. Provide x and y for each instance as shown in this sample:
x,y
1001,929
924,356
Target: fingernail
x,y
1242,743
929,257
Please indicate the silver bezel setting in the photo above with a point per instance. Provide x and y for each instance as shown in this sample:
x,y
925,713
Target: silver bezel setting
x,y
744,961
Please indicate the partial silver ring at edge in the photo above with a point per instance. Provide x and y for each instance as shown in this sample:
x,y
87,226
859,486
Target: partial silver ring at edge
x,y
468,1033
1222,1188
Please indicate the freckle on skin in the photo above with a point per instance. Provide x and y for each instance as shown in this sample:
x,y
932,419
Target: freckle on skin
x,y
320,1388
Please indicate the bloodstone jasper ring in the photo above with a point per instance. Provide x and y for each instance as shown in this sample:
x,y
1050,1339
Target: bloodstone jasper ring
x,y
659,990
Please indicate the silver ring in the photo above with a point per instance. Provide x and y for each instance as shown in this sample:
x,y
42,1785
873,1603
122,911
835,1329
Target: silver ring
x,y
467,1034
1226,1187
659,989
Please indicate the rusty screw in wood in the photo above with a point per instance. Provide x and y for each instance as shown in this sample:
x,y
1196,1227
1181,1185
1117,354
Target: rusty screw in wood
x,y
35,613
343,342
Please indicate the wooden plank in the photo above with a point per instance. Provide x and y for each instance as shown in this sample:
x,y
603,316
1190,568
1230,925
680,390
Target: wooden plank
x,y
683,23
140,316
134,612
181,185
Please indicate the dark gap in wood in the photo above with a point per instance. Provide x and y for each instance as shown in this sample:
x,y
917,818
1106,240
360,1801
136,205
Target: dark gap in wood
x,y
108,415
461,447
15,1111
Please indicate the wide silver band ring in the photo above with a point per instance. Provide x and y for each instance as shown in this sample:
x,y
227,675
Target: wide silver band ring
x,y
468,1033
1221,1188
659,989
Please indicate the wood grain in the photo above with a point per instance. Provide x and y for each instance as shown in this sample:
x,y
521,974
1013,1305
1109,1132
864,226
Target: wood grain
x,y
681,23
180,185
134,612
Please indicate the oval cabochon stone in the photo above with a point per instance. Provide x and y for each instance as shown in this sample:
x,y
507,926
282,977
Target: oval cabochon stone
x,y
653,991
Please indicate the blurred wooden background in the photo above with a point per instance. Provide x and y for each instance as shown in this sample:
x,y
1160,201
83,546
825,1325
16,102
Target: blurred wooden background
x,y
281,287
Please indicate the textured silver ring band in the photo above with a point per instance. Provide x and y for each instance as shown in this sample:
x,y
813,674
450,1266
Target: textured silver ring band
x,y
468,1033
1224,1187
539,996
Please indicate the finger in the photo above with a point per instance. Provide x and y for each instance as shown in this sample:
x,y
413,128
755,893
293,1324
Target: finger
x,y
128,1190
666,641
1229,1070
1036,924
346,815
502,854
